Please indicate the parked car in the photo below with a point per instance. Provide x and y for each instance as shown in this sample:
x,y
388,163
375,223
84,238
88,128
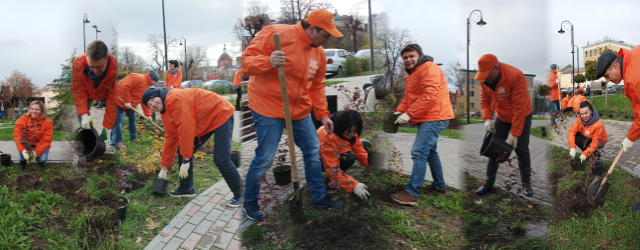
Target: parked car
x,y
191,83
563,90
214,83
159,84
614,88
335,58
367,53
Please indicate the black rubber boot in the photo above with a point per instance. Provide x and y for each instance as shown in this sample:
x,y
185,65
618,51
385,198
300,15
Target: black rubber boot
x,y
636,207
492,170
43,165
486,188
528,191
23,165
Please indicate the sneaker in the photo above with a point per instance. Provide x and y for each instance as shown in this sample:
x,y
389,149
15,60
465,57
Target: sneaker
x,y
43,165
22,166
235,202
120,145
405,198
327,202
431,188
183,193
252,209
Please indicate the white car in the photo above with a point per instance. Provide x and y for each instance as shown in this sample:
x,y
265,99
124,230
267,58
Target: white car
x,y
335,58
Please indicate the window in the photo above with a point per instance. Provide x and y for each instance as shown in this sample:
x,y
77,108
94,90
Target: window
x,y
330,53
473,105
590,53
472,93
341,53
599,51
586,54
473,84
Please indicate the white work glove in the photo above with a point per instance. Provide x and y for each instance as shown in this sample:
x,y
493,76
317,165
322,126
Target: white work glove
x,y
86,121
572,152
582,157
512,140
557,80
163,173
128,105
626,144
404,118
25,154
184,168
488,126
361,191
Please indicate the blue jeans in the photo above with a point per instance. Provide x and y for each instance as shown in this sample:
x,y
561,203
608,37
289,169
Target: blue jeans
x,y
554,107
269,133
88,108
40,159
423,151
116,132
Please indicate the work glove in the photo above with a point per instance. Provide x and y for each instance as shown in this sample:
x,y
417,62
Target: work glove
x,y
103,134
85,121
488,126
557,80
361,191
572,152
163,174
184,168
404,118
512,140
25,154
582,157
128,105
626,144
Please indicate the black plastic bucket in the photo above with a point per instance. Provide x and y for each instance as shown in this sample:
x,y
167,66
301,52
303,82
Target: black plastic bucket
x,y
282,178
5,160
389,124
123,206
92,146
543,133
160,185
495,148
543,128
598,169
577,166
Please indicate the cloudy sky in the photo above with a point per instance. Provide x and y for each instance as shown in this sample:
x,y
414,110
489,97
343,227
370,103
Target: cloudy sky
x,y
42,34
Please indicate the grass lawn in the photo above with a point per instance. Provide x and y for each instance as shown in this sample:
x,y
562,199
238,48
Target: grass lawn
x,y
537,132
329,83
576,224
6,134
619,106
448,133
375,223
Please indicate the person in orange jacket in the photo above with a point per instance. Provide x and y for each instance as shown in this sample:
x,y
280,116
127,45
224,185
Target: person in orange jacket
x,y
92,76
504,89
552,85
565,100
305,68
173,78
587,132
191,116
33,133
237,86
574,103
426,103
341,149
130,90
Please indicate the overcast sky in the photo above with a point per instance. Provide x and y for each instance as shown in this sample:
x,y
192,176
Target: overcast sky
x,y
42,34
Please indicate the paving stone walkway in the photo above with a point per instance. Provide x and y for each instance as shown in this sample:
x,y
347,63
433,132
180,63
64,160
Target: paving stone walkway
x,y
60,151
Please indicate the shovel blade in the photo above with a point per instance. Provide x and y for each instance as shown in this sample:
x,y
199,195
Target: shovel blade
x,y
595,193
296,210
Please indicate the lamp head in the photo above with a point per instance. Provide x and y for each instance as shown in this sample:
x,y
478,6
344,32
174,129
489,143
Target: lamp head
x,y
94,26
481,22
561,31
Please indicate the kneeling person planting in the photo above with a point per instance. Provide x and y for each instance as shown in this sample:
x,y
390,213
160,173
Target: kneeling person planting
x,y
587,132
426,104
191,117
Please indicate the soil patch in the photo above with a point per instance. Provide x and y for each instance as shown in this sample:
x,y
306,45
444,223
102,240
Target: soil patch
x,y
23,182
339,232
64,186
571,201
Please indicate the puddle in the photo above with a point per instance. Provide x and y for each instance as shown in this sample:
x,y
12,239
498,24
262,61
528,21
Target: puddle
x,y
535,230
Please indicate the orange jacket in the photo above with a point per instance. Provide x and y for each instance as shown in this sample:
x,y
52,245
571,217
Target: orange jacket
x,y
191,113
130,89
426,95
237,79
173,80
331,147
575,102
305,69
511,99
82,88
596,132
565,102
581,89
39,133
631,76
553,86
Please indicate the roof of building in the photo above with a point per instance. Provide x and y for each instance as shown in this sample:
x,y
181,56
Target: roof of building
x,y
609,39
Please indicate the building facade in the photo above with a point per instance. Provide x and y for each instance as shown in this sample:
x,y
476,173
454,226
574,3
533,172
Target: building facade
x,y
592,51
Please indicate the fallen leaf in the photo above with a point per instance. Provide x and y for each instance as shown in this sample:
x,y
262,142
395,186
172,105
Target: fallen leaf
x,y
151,210
149,238
161,208
425,216
609,216
629,186
35,204
529,206
309,222
207,179
79,190
150,200
621,227
152,224
478,202
345,209
138,240
164,234
41,179
54,210
47,170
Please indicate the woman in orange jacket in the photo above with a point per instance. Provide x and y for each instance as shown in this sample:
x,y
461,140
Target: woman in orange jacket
x,y
342,148
587,132
173,77
191,116
237,85
33,133
575,101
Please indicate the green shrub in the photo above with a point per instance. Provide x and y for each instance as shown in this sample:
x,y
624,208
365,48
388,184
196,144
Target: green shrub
x,y
365,64
351,67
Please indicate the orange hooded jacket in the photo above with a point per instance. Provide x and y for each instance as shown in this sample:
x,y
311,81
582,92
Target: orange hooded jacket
x,y
565,102
305,70
191,113
426,94
331,147
594,130
39,133
173,80
82,88
511,100
553,86
575,102
130,89
237,79
631,76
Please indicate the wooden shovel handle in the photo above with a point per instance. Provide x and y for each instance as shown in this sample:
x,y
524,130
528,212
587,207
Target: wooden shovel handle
x,y
287,112
613,165
142,114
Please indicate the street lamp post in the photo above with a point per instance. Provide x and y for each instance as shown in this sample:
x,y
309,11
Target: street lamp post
x,y
96,27
573,84
85,20
164,27
185,57
371,38
481,23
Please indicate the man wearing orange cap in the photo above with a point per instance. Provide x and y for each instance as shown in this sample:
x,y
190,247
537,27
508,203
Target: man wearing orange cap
x,y
305,68
553,98
504,89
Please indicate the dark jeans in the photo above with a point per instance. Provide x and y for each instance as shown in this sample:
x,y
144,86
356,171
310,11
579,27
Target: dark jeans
x,y
501,131
583,143
221,157
238,98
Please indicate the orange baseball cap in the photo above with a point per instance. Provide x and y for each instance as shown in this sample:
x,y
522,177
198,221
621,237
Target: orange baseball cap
x,y
324,19
485,64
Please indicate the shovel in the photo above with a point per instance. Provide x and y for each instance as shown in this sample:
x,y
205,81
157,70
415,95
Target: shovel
x,y
143,115
295,205
599,186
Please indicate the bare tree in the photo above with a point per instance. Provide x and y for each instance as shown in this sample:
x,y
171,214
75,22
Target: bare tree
x,y
454,75
354,27
392,41
115,51
130,60
257,18
196,60
21,86
156,47
294,11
